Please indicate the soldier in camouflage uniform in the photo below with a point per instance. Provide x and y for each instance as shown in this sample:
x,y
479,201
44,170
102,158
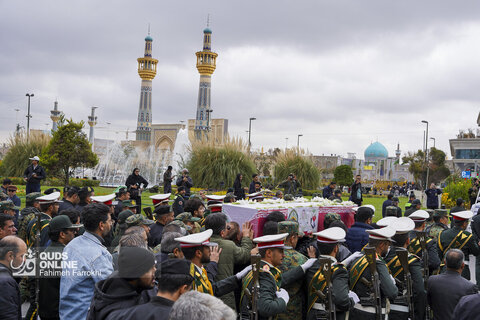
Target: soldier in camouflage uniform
x,y
291,260
440,219
27,214
328,243
458,238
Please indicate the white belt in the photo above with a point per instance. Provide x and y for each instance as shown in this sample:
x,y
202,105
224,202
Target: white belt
x,y
358,306
319,306
398,307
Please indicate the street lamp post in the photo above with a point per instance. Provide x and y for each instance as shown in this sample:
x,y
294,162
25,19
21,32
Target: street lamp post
x,y
286,144
298,141
433,141
250,132
426,154
29,95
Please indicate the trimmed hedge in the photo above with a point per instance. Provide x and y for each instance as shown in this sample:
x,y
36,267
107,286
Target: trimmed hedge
x,y
18,181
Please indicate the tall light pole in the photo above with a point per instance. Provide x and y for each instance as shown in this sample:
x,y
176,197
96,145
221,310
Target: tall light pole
x,y
250,132
29,95
433,141
298,141
426,154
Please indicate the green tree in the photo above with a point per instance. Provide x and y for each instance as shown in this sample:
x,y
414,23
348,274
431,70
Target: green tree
x,y
294,161
438,171
343,175
68,149
16,160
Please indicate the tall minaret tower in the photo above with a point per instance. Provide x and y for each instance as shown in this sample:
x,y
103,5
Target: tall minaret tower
x,y
55,116
398,152
206,62
147,69
92,121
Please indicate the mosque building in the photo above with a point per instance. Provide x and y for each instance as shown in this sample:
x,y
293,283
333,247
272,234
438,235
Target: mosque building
x,y
376,166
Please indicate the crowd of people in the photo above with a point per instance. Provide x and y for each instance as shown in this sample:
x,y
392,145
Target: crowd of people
x,y
102,258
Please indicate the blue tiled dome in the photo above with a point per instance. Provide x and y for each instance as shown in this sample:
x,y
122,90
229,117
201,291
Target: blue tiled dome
x,y
148,38
376,150
207,30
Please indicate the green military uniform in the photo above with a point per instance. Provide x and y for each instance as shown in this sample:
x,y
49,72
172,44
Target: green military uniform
x,y
271,280
291,260
415,248
26,215
32,231
435,230
316,282
418,288
456,238
359,269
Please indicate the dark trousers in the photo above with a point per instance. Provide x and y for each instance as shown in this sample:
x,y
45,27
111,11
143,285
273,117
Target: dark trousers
x,y
32,187
167,188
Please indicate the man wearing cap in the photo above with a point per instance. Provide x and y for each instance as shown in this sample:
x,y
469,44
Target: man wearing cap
x,y
458,238
61,232
174,279
232,255
189,220
163,215
328,243
415,247
12,196
272,299
122,289
121,195
381,240
399,306
395,203
71,199
185,181
432,196
179,202
33,175
291,260
8,207
357,237
440,223
392,211
196,249
130,204
49,207
139,220
416,205
93,262
121,227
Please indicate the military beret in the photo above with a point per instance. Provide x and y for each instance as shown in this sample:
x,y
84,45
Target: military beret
x,y
181,224
161,210
290,227
440,213
129,203
187,216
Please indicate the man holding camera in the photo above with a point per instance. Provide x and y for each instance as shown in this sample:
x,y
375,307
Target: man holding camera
x,y
185,181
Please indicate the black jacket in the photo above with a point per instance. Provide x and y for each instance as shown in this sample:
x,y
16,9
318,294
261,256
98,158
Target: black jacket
x,y
156,233
65,205
10,302
133,179
30,171
445,290
238,190
113,293
157,309
50,285
353,194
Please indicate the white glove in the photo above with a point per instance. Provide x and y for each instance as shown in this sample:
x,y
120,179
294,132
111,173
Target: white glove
x,y
393,280
352,257
244,272
283,294
354,296
308,264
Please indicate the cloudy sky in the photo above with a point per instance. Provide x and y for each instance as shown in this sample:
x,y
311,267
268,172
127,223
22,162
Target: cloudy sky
x,y
342,73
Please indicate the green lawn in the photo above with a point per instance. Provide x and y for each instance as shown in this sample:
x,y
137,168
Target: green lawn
x,y
146,201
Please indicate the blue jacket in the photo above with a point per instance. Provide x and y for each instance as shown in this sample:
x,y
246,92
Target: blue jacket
x,y
327,192
77,285
385,204
357,237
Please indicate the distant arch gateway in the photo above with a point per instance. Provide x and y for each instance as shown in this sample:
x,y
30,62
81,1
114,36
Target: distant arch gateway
x,y
164,143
